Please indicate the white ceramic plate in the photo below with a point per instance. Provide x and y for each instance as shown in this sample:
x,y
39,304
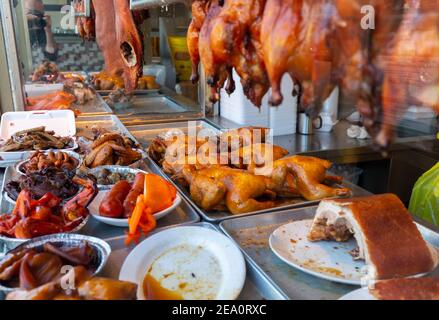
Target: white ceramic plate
x,y
327,260
196,262
360,294
94,211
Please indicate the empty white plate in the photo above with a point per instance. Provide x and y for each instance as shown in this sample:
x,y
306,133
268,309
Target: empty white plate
x,y
323,259
192,262
360,294
94,211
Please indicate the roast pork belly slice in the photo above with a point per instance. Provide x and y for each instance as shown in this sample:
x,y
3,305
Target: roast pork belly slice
x,y
388,239
406,289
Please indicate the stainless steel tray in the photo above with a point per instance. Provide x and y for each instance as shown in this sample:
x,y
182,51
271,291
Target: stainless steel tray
x,y
108,121
184,214
150,105
146,133
96,106
256,287
252,235
135,92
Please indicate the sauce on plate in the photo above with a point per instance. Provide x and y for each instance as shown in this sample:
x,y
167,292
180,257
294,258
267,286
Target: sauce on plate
x,y
153,290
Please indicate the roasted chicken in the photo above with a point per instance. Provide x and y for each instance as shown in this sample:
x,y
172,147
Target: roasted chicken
x,y
234,171
237,189
305,176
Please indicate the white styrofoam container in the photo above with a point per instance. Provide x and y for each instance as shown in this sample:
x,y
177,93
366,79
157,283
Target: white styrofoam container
x,y
328,117
35,90
282,119
62,122
156,70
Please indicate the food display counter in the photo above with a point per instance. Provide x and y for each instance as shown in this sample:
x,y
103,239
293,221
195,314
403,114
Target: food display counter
x,y
160,192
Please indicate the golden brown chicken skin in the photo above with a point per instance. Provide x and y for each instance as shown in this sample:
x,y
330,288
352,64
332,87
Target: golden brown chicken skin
x,y
239,189
309,176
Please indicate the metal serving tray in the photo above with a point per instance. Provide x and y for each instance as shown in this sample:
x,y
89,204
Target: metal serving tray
x,y
150,105
110,122
135,92
256,287
252,235
146,133
97,106
184,214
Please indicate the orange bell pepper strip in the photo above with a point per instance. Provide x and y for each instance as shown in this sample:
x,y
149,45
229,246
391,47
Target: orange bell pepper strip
x,y
158,195
141,221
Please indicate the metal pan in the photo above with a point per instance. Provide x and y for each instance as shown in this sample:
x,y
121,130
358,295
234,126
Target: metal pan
x,y
135,92
101,250
109,122
97,106
85,124
184,214
252,235
256,286
146,133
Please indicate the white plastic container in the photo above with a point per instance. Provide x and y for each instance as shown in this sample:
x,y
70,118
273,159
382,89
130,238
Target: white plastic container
x,y
328,117
282,119
35,90
156,70
62,122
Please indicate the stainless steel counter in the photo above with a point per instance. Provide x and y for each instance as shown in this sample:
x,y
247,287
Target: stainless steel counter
x,y
338,147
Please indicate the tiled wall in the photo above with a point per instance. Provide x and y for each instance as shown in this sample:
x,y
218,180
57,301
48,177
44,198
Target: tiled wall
x,y
74,57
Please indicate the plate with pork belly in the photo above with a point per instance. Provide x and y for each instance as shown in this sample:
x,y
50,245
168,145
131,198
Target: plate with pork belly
x,y
355,241
398,289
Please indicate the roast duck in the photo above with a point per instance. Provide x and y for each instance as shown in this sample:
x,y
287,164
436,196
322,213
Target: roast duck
x,y
321,44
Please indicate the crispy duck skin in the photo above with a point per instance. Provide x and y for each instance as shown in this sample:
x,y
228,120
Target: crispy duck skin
x,y
235,41
199,8
85,25
411,75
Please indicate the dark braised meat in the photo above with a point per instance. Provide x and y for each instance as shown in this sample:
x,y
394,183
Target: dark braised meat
x,y
36,139
53,180
30,268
